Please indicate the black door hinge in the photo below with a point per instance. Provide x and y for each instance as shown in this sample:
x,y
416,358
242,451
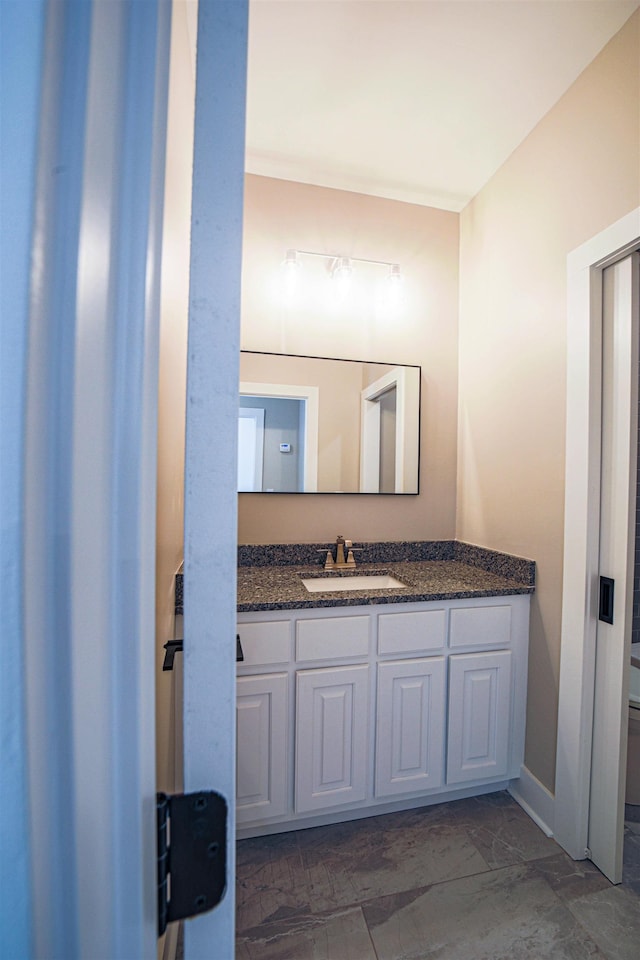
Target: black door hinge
x,y
192,854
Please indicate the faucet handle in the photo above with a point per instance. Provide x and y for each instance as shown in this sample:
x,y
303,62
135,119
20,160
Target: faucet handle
x,y
328,563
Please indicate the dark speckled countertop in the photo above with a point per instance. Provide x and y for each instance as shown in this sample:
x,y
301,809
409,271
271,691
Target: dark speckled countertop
x,y
431,570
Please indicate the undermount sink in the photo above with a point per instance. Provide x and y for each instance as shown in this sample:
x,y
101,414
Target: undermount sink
x,y
364,581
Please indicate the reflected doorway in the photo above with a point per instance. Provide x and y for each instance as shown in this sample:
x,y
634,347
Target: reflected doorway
x,y
271,440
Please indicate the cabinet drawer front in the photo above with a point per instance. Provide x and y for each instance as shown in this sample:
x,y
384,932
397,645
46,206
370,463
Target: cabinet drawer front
x,y
265,642
332,638
480,626
411,632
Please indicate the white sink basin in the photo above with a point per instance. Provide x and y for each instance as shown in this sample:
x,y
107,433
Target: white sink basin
x,y
364,581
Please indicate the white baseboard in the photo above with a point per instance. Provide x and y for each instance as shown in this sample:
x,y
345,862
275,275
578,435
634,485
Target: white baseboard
x,y
535,799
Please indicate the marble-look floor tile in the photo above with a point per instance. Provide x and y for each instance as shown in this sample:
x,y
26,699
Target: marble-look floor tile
x,y
502,831
612,919
270,880
570,879
342,935
383,855
631,862
632,813
508,914
262,849
632,854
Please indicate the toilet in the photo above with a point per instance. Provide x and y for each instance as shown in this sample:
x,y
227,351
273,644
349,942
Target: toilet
x,y
633,750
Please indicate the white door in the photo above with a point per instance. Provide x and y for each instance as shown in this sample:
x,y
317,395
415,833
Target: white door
x,y
211,437
332,728
479,715
262,746
617,548
410,728
84,175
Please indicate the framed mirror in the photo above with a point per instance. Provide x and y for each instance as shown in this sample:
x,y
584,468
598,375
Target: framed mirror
x,y
319,425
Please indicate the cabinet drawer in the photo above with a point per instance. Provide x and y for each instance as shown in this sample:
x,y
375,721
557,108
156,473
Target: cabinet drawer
x,y
411,632
265,642
480,626
332,638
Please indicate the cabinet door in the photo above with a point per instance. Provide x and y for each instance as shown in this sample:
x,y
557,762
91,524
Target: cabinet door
x,y
332,708
261,775
410,726
479,716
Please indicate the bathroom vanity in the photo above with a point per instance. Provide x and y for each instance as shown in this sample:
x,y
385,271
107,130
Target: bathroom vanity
x,y
356,702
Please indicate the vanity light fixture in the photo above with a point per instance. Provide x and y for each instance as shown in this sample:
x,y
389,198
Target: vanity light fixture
x,y
341,270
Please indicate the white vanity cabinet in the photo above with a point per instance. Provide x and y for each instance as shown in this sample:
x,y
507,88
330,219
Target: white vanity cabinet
x,y
343,711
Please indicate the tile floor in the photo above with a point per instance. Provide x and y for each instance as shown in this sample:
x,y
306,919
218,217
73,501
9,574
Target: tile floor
x,y
469,880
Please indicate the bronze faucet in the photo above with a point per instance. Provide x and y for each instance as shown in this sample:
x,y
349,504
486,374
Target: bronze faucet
x,y
341,561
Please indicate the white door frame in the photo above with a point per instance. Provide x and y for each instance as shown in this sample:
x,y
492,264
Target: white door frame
x,y
211,450
618,495
581,534
407,430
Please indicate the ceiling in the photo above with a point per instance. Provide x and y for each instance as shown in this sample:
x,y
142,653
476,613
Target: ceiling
x,y
416,100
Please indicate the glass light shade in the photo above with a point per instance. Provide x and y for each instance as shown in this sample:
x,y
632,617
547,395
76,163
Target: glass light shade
x,y
290,268
341,276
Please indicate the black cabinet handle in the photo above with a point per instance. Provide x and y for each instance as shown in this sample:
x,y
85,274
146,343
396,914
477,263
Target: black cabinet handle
x,y
171,648
239,650
605,607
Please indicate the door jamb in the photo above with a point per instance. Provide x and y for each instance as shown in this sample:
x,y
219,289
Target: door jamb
x,y
581,531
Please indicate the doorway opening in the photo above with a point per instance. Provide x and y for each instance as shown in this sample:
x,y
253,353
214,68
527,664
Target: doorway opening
x,y
271,445
579,713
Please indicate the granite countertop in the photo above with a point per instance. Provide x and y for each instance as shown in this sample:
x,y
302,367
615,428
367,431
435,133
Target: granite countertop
x,y
481,573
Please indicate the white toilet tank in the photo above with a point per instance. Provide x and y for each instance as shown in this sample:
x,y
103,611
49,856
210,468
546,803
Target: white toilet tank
x,y
634,686
633,748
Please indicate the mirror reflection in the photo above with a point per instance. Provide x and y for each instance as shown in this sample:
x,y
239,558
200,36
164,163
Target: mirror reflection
x,y
318,425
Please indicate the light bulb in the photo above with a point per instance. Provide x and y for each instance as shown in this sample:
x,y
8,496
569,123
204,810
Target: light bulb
x,y
393,290
341,274
290,272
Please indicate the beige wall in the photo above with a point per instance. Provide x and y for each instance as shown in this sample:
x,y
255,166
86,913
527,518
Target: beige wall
x,y
576,173
280,215
172,382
